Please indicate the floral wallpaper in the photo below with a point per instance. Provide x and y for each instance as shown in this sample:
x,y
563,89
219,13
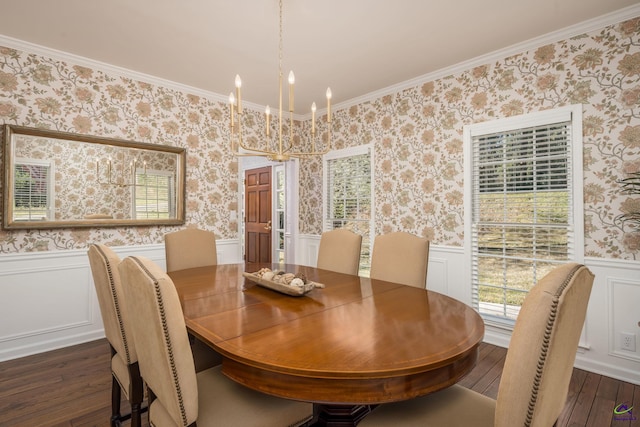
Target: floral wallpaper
x,y
47,93
416,132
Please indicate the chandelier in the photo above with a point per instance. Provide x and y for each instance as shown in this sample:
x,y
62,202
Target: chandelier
x,y
279,147
118,174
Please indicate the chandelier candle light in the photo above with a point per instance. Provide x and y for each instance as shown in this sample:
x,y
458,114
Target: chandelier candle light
x,y
119,181
281,153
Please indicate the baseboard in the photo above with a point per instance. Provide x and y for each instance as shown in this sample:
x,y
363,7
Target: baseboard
x,y
49,345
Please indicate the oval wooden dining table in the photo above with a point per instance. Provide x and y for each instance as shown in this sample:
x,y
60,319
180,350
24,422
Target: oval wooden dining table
x,y
355,343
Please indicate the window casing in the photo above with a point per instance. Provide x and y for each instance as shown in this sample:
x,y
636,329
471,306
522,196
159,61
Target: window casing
x,y
523,205
348,195
154,195
33,191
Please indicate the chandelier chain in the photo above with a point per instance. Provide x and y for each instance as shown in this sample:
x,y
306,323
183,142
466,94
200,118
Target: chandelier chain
x,y
280,45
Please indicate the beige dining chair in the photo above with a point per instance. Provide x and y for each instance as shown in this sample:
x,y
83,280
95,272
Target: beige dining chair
x,y
538,366
400,257
339,251
177,395
190,248
125,373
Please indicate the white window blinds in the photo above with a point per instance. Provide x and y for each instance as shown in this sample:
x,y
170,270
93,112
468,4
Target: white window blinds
x,y
32,192
523,213
348,202
154,195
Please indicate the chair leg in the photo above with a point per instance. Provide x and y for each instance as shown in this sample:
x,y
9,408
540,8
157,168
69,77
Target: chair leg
x,y
136,394
135,415
116,395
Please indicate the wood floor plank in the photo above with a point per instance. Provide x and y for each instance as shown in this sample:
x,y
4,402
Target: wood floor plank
x,y
624,397
601,412
492,374
635,415
27,383
63,414
585,400
489,356
575,386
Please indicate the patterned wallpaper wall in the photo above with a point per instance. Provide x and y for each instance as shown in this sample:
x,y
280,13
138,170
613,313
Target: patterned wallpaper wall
x,y
417,134
37,91
418,137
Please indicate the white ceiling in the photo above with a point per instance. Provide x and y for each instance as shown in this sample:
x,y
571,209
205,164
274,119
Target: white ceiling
x,y
354,46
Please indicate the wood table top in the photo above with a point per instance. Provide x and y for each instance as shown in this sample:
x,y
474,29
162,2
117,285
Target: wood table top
x,y
356,341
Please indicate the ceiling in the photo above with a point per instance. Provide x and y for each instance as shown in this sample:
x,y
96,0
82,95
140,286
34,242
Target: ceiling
x,y
354,46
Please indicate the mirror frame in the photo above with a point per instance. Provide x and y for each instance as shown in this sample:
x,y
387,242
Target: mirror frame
x,y
8,166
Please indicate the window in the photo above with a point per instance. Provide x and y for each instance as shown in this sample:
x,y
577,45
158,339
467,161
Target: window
x,y
523,196
348,196
154,195
278,224
33,190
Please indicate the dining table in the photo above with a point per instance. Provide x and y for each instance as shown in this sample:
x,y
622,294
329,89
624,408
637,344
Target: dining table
x,y
347,346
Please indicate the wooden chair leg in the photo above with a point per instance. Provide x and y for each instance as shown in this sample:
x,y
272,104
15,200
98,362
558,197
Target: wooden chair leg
x,y
136,420
136,394
116,395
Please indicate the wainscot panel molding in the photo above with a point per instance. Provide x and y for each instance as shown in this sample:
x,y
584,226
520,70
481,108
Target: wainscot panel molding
x,y
48,301
613,306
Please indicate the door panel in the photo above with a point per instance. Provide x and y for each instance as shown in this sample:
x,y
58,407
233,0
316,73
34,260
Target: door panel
x,y
258,215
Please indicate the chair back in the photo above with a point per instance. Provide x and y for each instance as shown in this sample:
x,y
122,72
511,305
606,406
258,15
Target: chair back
x,y
401,258
190,248
538,366
115,315
164,354
340,251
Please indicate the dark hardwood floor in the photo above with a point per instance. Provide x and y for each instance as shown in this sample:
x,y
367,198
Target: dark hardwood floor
x,y
71,387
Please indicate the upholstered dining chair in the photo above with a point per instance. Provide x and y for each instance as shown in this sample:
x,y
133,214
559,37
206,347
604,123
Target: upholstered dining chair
x,y
177,395
340,251
535,379
401,258
190,248
125,372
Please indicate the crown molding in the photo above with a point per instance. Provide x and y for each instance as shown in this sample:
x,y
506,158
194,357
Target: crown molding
x,y
572,31
110,69
553,37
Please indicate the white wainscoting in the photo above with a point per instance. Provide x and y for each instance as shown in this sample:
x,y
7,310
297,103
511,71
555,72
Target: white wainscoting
x,y
47,301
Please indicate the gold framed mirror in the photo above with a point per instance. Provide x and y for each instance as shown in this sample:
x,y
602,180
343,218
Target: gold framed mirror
x,y
58,180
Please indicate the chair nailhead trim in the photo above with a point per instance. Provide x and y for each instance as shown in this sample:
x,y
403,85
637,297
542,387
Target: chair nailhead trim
x,y
167,341
116,302
545,345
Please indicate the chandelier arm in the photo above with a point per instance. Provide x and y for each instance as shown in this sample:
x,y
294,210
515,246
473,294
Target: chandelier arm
x,y
120,178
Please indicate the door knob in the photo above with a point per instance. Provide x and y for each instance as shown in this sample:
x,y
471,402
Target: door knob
x,y
268,226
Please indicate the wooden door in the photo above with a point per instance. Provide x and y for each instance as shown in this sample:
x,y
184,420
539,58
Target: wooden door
x,y
257,190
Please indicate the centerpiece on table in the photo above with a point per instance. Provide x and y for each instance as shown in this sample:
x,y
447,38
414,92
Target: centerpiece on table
x,y
281,281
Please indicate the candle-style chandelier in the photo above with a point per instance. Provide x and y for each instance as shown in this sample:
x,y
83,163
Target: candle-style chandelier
x,y
276,149
119,174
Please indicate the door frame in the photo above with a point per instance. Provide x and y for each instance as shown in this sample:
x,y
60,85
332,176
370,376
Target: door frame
x,y
291,172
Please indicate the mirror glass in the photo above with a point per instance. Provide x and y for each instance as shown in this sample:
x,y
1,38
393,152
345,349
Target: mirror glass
x,y
55,179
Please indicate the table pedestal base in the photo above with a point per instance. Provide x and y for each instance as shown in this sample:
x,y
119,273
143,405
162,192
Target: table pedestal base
x,y
340,415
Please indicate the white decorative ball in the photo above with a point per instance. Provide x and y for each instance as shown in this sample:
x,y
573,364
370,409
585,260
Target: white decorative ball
x,y
297,282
